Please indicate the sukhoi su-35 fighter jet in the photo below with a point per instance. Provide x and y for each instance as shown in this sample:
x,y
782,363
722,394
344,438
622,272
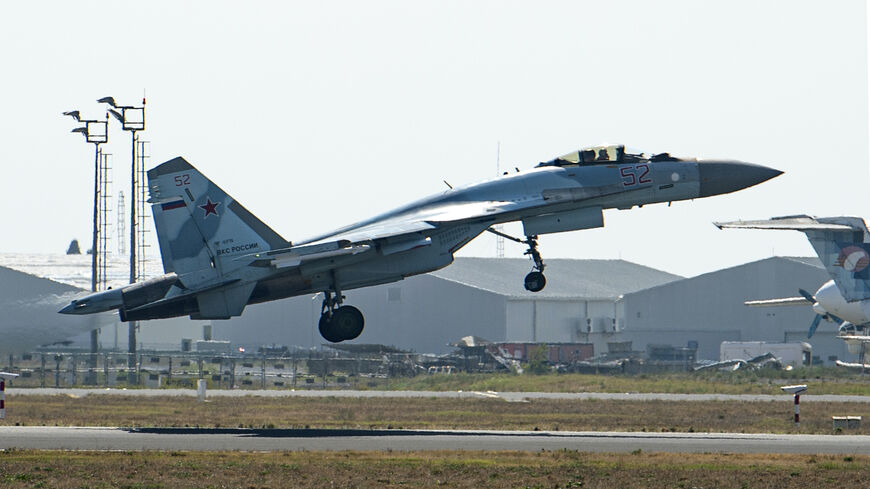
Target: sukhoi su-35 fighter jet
x,y
218,257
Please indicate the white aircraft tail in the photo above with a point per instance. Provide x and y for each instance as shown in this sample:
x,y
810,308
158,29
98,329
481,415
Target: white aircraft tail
x,y
842,244
201,229
846,255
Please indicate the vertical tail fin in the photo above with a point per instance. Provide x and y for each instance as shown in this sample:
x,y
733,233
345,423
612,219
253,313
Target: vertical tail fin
x,y
842,244
845,255
200,228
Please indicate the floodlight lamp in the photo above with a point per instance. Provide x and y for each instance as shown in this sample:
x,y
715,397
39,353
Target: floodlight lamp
x,y
117,115
107,100
74,114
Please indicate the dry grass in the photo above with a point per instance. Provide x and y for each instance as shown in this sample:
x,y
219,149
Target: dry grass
x,y
822,380
562,469
435,413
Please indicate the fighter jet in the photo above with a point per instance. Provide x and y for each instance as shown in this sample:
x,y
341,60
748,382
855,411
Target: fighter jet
x,y
843,245
218,257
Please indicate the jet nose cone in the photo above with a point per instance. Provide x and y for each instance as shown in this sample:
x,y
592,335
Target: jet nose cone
x,y
69,309
722,177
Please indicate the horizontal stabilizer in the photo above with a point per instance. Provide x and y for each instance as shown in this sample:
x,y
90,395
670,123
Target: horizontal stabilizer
x,y
786,301
183,296
795,223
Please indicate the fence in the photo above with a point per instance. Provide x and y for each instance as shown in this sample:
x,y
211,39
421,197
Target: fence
x,y
159,369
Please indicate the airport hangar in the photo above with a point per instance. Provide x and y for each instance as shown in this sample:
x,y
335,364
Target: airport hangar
x,y
585,301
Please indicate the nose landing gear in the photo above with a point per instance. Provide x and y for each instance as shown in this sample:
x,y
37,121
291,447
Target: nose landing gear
x,y
337,322
535,280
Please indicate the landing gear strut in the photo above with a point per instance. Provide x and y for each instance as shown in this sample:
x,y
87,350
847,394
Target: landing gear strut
x,y
337,322
535,280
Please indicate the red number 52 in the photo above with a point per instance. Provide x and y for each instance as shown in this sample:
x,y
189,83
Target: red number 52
x,y
630,176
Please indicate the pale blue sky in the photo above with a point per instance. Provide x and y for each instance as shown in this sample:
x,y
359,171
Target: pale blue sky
x,y
318,114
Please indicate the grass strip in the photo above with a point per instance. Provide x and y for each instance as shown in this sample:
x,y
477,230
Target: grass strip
x,y
429,413
494,470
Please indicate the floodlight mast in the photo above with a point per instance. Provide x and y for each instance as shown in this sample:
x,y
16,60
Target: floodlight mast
x,y
132,119
95,132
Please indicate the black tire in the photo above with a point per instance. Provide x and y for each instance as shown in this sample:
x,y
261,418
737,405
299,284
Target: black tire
x,y
535,282
348,322
327,330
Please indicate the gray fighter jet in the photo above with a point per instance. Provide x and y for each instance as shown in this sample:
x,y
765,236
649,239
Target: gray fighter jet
x,y
218,257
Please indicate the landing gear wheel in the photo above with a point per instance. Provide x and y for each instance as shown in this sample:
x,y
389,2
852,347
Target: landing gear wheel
x,y
535,281
348,322
327,330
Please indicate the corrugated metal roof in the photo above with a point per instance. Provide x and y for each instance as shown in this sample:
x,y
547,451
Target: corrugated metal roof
x,y
806,260
566,278
793,261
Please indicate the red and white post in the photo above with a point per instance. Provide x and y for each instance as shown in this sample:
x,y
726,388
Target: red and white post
x,y
796,390
797,410
4,376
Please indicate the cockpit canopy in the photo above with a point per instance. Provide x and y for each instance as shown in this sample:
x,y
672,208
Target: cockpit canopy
x,y
605,154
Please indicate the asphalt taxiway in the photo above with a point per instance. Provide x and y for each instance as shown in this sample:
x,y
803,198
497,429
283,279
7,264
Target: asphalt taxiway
x,y
220,439
506,396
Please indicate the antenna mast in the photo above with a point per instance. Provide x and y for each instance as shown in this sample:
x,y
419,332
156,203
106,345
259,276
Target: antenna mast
x,y
499,240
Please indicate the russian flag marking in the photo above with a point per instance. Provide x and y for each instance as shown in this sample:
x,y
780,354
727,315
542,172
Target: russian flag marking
x,y
177,204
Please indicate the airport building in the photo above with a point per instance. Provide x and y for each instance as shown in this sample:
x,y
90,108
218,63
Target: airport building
x,y
483,297
708,309
599,302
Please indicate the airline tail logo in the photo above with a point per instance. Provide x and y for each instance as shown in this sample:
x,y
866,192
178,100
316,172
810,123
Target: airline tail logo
x,y
853,259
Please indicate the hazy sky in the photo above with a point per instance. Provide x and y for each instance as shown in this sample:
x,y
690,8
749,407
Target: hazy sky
x,y
318,114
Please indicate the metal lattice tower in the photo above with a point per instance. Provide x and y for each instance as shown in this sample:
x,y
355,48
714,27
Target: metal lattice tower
x,y
103,224
141,211
133,119
499,240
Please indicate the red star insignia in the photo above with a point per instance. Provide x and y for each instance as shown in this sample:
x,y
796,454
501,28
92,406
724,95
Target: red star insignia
x,y
210,207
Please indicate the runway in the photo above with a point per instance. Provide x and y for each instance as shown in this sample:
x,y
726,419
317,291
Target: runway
x,y
220,439
506,396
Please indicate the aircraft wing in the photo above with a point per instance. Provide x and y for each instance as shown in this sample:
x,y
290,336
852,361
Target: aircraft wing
x,y
797,223
852,365
418,220
787,301
426,217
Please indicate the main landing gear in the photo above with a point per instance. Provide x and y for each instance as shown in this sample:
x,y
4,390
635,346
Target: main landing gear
x,y
339,323
535,280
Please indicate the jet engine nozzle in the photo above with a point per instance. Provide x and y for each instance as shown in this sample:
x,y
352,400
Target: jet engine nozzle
x,y
96,302
722,177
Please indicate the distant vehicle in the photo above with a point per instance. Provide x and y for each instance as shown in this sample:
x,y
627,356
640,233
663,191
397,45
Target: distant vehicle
x,y
218,257
794,354
843,245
